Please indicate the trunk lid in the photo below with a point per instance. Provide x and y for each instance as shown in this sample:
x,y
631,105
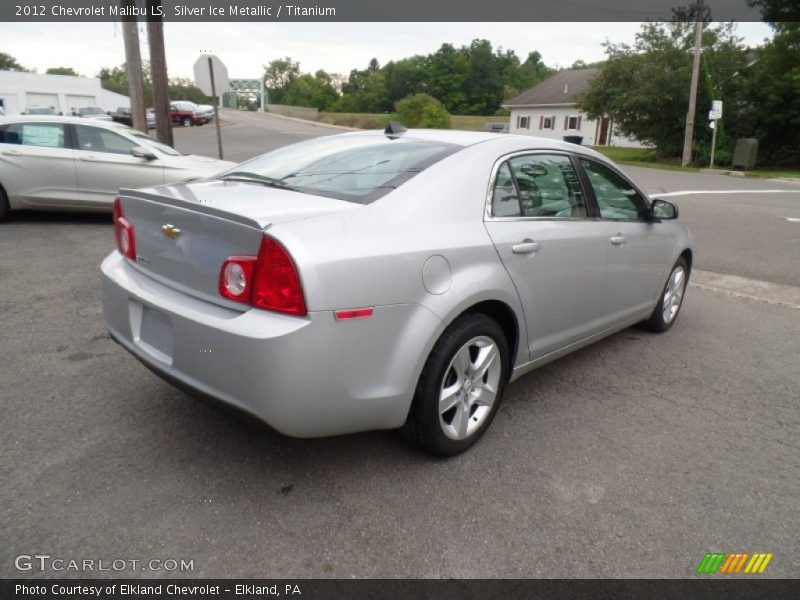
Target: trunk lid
x,y
184,232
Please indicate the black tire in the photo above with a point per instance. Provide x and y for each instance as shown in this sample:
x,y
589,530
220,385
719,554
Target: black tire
x,y
657,323
4,206
424,426
186,122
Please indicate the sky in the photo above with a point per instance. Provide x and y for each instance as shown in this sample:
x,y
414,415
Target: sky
x,y
336,47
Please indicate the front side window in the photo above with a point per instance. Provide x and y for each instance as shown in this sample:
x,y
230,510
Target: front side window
x,y
548,186
95,139
43,135
617,198
148,141
357,169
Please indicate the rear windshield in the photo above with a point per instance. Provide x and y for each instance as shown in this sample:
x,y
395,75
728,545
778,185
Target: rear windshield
x,y
357,169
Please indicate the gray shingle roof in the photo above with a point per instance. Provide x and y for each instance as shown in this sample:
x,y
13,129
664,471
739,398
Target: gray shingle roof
x,y
565,87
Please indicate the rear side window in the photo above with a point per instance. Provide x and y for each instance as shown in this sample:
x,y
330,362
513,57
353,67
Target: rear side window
x,y
538,185
357,169
43,135
548,186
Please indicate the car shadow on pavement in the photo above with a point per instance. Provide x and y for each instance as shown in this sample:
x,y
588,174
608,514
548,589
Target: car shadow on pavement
x,y
58,217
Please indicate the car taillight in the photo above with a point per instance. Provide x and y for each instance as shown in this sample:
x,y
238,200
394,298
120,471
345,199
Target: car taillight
x,y
269,280
123,232
236,278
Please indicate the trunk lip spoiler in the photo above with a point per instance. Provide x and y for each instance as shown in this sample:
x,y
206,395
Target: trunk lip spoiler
x,y
196,206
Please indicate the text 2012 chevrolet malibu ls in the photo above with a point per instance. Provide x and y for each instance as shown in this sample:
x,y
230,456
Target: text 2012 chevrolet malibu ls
x,y
394,279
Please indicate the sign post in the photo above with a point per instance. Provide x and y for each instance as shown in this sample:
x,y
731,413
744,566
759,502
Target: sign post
x,y
211,76
714,115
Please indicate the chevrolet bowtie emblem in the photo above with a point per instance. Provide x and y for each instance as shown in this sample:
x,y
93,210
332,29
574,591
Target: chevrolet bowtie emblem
x,y
171,231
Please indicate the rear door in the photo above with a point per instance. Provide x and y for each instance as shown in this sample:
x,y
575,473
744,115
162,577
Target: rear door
x,y
105,164
38,166
551,246
636,247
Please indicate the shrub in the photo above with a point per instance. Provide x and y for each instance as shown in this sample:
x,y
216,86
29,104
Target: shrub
x,y
422,110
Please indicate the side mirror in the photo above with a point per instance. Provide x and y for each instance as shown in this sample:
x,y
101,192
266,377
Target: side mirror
x,y
661,209
141,152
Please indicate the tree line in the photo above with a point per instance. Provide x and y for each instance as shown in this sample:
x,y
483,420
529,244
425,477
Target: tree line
x,y
468,80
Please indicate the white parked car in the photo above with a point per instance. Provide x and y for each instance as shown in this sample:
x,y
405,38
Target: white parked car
x,y
73,163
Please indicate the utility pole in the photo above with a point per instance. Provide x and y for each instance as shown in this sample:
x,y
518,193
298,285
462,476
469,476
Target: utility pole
x,y
133,64
688,138
158,66
215,100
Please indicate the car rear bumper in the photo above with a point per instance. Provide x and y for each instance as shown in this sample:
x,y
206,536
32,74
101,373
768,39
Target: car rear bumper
x,y
305,377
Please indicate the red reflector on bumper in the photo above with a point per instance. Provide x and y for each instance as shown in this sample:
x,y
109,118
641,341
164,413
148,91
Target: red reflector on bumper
x,y
352,313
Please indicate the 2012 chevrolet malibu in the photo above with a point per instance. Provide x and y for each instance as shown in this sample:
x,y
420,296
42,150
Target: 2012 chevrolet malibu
x,y
395,279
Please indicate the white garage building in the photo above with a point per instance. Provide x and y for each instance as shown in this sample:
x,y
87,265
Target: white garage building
x,y
20,91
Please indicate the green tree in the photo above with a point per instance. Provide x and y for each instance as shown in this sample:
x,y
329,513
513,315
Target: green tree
x,y
315,91
484,86
62,71
771,104
278,75
422,110
644,87
115,79
9,63
447,74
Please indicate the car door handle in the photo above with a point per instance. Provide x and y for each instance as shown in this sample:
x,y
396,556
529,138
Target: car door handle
x,y
618,240
12,152
89,158
525,247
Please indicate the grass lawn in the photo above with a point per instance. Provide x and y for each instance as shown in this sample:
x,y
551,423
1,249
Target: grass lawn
x,y
379,120
644,157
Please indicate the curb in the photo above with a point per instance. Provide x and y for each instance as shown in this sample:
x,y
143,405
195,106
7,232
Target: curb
x,y
740,174
307,122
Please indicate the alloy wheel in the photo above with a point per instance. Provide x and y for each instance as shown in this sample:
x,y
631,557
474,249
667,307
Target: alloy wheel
x,y
469,387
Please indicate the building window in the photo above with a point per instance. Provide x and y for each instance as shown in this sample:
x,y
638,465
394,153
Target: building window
x,y
524,122
547,123
573,123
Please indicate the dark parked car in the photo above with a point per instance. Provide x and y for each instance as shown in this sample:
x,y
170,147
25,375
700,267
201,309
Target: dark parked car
x,y
187,114
496,127
123,115
91,112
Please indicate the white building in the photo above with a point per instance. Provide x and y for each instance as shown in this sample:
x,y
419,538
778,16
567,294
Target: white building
x,y
550,110
20,91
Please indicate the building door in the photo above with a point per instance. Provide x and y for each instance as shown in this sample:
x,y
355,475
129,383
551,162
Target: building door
x,y
602,138
35,100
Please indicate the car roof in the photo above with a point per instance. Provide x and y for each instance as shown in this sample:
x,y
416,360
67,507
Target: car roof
x,y
60,119
509,141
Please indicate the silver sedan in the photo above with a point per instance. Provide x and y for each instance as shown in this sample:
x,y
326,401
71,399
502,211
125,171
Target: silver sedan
x,y
75,163
396,279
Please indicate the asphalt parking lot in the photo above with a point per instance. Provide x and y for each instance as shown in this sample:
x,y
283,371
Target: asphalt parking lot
x,y
631,458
